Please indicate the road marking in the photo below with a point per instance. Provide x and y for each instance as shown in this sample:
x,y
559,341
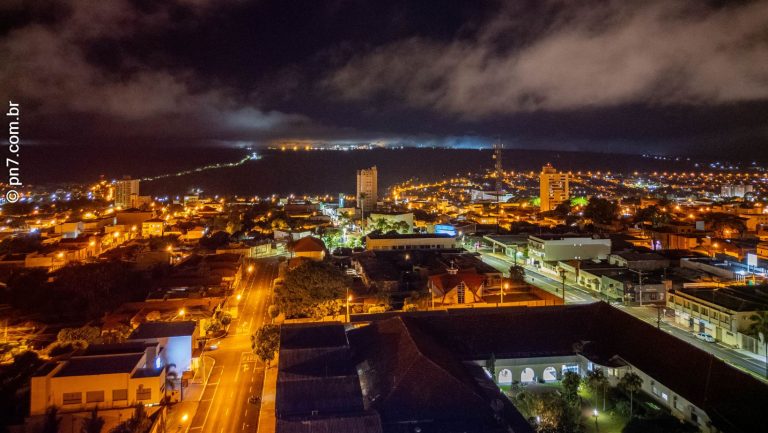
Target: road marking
x,y
207,412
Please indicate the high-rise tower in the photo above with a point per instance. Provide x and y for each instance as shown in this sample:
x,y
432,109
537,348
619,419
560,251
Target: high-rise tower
x,y
553,186
367,188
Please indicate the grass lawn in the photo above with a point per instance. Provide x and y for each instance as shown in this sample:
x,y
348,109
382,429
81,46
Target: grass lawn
x,y
607,422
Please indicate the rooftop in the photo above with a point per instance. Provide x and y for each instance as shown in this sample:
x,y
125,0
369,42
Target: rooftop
x,y
409,236
94,365
163,329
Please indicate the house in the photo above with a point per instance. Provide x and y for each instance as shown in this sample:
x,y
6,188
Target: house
x,y
554,247
318,388
152,227
309,247
108,376
455,287
723,312
639,261
416,241
175,341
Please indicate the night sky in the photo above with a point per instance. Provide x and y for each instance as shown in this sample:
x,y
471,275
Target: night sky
x,y
644,76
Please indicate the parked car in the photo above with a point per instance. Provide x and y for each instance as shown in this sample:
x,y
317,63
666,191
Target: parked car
x,y
703,336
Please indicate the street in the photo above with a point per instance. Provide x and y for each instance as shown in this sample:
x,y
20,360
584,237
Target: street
x,y
576,295
237,373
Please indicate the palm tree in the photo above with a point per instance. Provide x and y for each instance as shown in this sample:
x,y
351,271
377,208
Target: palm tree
x,y
631,383
92,424
759,328
52,420
596,381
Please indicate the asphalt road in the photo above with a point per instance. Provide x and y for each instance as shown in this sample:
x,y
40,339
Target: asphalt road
x,y
238,374
578,295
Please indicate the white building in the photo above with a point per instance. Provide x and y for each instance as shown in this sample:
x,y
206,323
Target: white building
x,y
567,247
175,341
367,185
107,376
731,190
126,192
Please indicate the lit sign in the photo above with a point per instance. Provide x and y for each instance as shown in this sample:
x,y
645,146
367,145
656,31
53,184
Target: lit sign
x,y
445,229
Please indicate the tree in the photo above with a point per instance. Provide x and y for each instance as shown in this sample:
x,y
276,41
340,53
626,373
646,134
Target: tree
x,y
309,285
759,329
563,209
215,240
601,211
265,342
92,424
139,422
517,274
52,420
273,312
571,382
651,214
490,364
631,383
596,381
89,334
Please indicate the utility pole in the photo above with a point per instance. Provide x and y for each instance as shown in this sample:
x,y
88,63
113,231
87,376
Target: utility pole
x,y
562,276
639,273
497,146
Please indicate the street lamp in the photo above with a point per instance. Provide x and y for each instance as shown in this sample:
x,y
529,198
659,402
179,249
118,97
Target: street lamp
x,y
349,299
182,312
594,414
250,269
506,286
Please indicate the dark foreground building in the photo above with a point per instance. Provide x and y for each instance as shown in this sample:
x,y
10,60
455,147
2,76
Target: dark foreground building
x,y
421,372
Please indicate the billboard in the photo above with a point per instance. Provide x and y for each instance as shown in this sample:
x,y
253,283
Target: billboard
x,y
752,259
445,229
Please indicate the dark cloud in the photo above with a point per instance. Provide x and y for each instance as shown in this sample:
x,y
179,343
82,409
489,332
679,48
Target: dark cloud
x,y
661,52
602,74
47,67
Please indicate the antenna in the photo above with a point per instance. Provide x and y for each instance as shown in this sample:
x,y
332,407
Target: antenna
x,y
497,146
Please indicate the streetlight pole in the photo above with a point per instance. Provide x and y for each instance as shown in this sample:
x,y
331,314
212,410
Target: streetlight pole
x,y
349,298
562,276
503,287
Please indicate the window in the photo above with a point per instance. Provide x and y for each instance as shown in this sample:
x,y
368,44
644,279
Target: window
x,y
119,394
94,396
460,293
143,393
664,396
72,398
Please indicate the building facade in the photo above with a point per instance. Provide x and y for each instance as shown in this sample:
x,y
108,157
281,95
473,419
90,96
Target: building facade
x,y
367,188
126,192
559,247
553,187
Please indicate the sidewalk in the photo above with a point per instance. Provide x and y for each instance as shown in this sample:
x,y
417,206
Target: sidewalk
x,y
267,420
180,415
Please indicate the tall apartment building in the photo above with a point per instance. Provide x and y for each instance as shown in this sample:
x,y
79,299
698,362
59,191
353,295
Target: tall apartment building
x,y
126,192
553,186
367,183
733,190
